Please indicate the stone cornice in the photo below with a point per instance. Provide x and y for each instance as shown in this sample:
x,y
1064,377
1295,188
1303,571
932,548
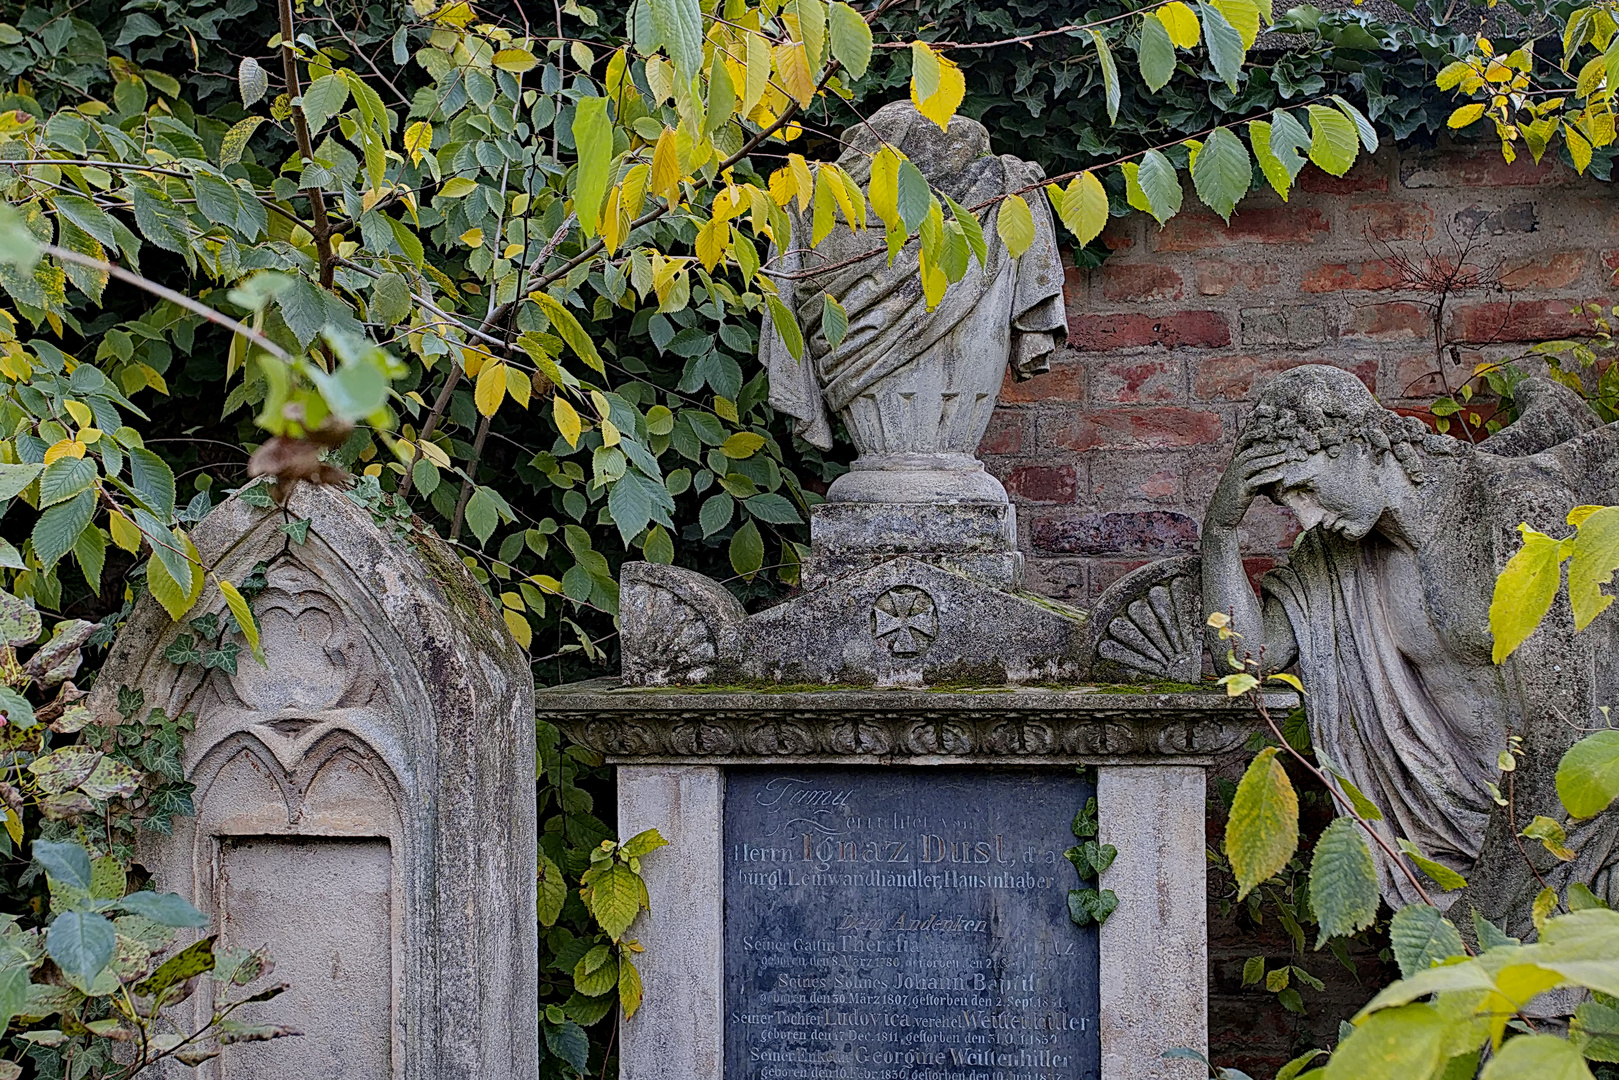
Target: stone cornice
x,y
858,726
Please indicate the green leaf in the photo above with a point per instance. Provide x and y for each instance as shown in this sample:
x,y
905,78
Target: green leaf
x,y
1222,172
1588,775
14,983
88,216
1536,1057
408,241
153,482
1259,135
81,943
593,135
64,478
613,898
14,478
971,230
58,528
715,513
773,508
553,891
1393,1044
914,197
1334,142
1368,134
1524,591
1263,831
834,321
643,844
323,99
569,1042
235,140
1159,185
1015,225
19,620
851,39
482,514
787,326
1343,881
1226,51
18,710
1110,74
679,26
1297,1065
570,330
90,549
1489,935
68,863
165,909
1288,140
1422,937
747,550
1594,1031
1595,558
1443,876
188,963
1155,54
1365,807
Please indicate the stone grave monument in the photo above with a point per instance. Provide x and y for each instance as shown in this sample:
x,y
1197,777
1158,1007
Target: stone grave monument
x,y
867,879
364,802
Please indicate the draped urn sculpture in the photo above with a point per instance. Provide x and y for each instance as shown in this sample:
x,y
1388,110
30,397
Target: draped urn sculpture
x,y
913,574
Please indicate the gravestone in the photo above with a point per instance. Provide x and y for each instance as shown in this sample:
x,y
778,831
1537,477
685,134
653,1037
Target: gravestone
x,y
364,801
866,879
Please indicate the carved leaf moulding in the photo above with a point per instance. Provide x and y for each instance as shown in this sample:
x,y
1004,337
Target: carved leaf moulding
x,y
772,730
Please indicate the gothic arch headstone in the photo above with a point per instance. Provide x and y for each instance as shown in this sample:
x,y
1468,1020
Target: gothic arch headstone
x,y
365,803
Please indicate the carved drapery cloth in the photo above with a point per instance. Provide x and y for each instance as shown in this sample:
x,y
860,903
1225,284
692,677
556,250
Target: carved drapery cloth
x,y
1013,306
1394,649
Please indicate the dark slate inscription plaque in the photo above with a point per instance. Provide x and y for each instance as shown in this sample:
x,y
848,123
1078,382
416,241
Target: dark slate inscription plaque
x,y
888,924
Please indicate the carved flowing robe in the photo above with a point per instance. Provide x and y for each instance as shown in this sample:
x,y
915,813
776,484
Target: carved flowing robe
x,y
1404,699
1007,308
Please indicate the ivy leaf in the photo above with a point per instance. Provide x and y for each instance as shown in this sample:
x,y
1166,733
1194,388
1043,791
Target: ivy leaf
x,y
1110,75
1226,51
593,135
81,943
1263,831
1222,172
1015,225
747,550
1343,881
1422,937
1156,53
58,528
851,39
1334,142
1588,775
165,909
1159,184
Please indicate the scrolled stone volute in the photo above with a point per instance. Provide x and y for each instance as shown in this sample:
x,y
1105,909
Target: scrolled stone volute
x,y
676,626
364,803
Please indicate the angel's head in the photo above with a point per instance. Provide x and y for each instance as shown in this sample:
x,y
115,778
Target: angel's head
x,y
1348,459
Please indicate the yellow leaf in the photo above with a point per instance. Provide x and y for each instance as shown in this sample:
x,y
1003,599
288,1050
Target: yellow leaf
x,y
782,186
153,379
792,64
124,532
610,433
82,416
1015,224
517,623
518,385
1262,832
848,197
418,140
491,388
14,826
712,240
458,14
1524,590
472,238
243,614
1085,208
1579,148
567,420
457,186
744,444
1182,24
1465,115
885,186
803,184
758,76
942,103
66,448
1291,680
666,167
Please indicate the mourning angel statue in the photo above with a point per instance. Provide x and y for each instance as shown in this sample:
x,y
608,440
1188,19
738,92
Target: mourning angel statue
x,y
1384,607
914,386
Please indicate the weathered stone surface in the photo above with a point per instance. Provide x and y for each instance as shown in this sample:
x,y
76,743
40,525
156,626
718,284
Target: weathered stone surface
x,y
893,726
978,540
1150,622
365,803
916,387
1384,605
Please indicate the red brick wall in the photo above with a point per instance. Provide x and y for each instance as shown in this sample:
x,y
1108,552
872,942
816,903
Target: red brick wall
x,y
1112,456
